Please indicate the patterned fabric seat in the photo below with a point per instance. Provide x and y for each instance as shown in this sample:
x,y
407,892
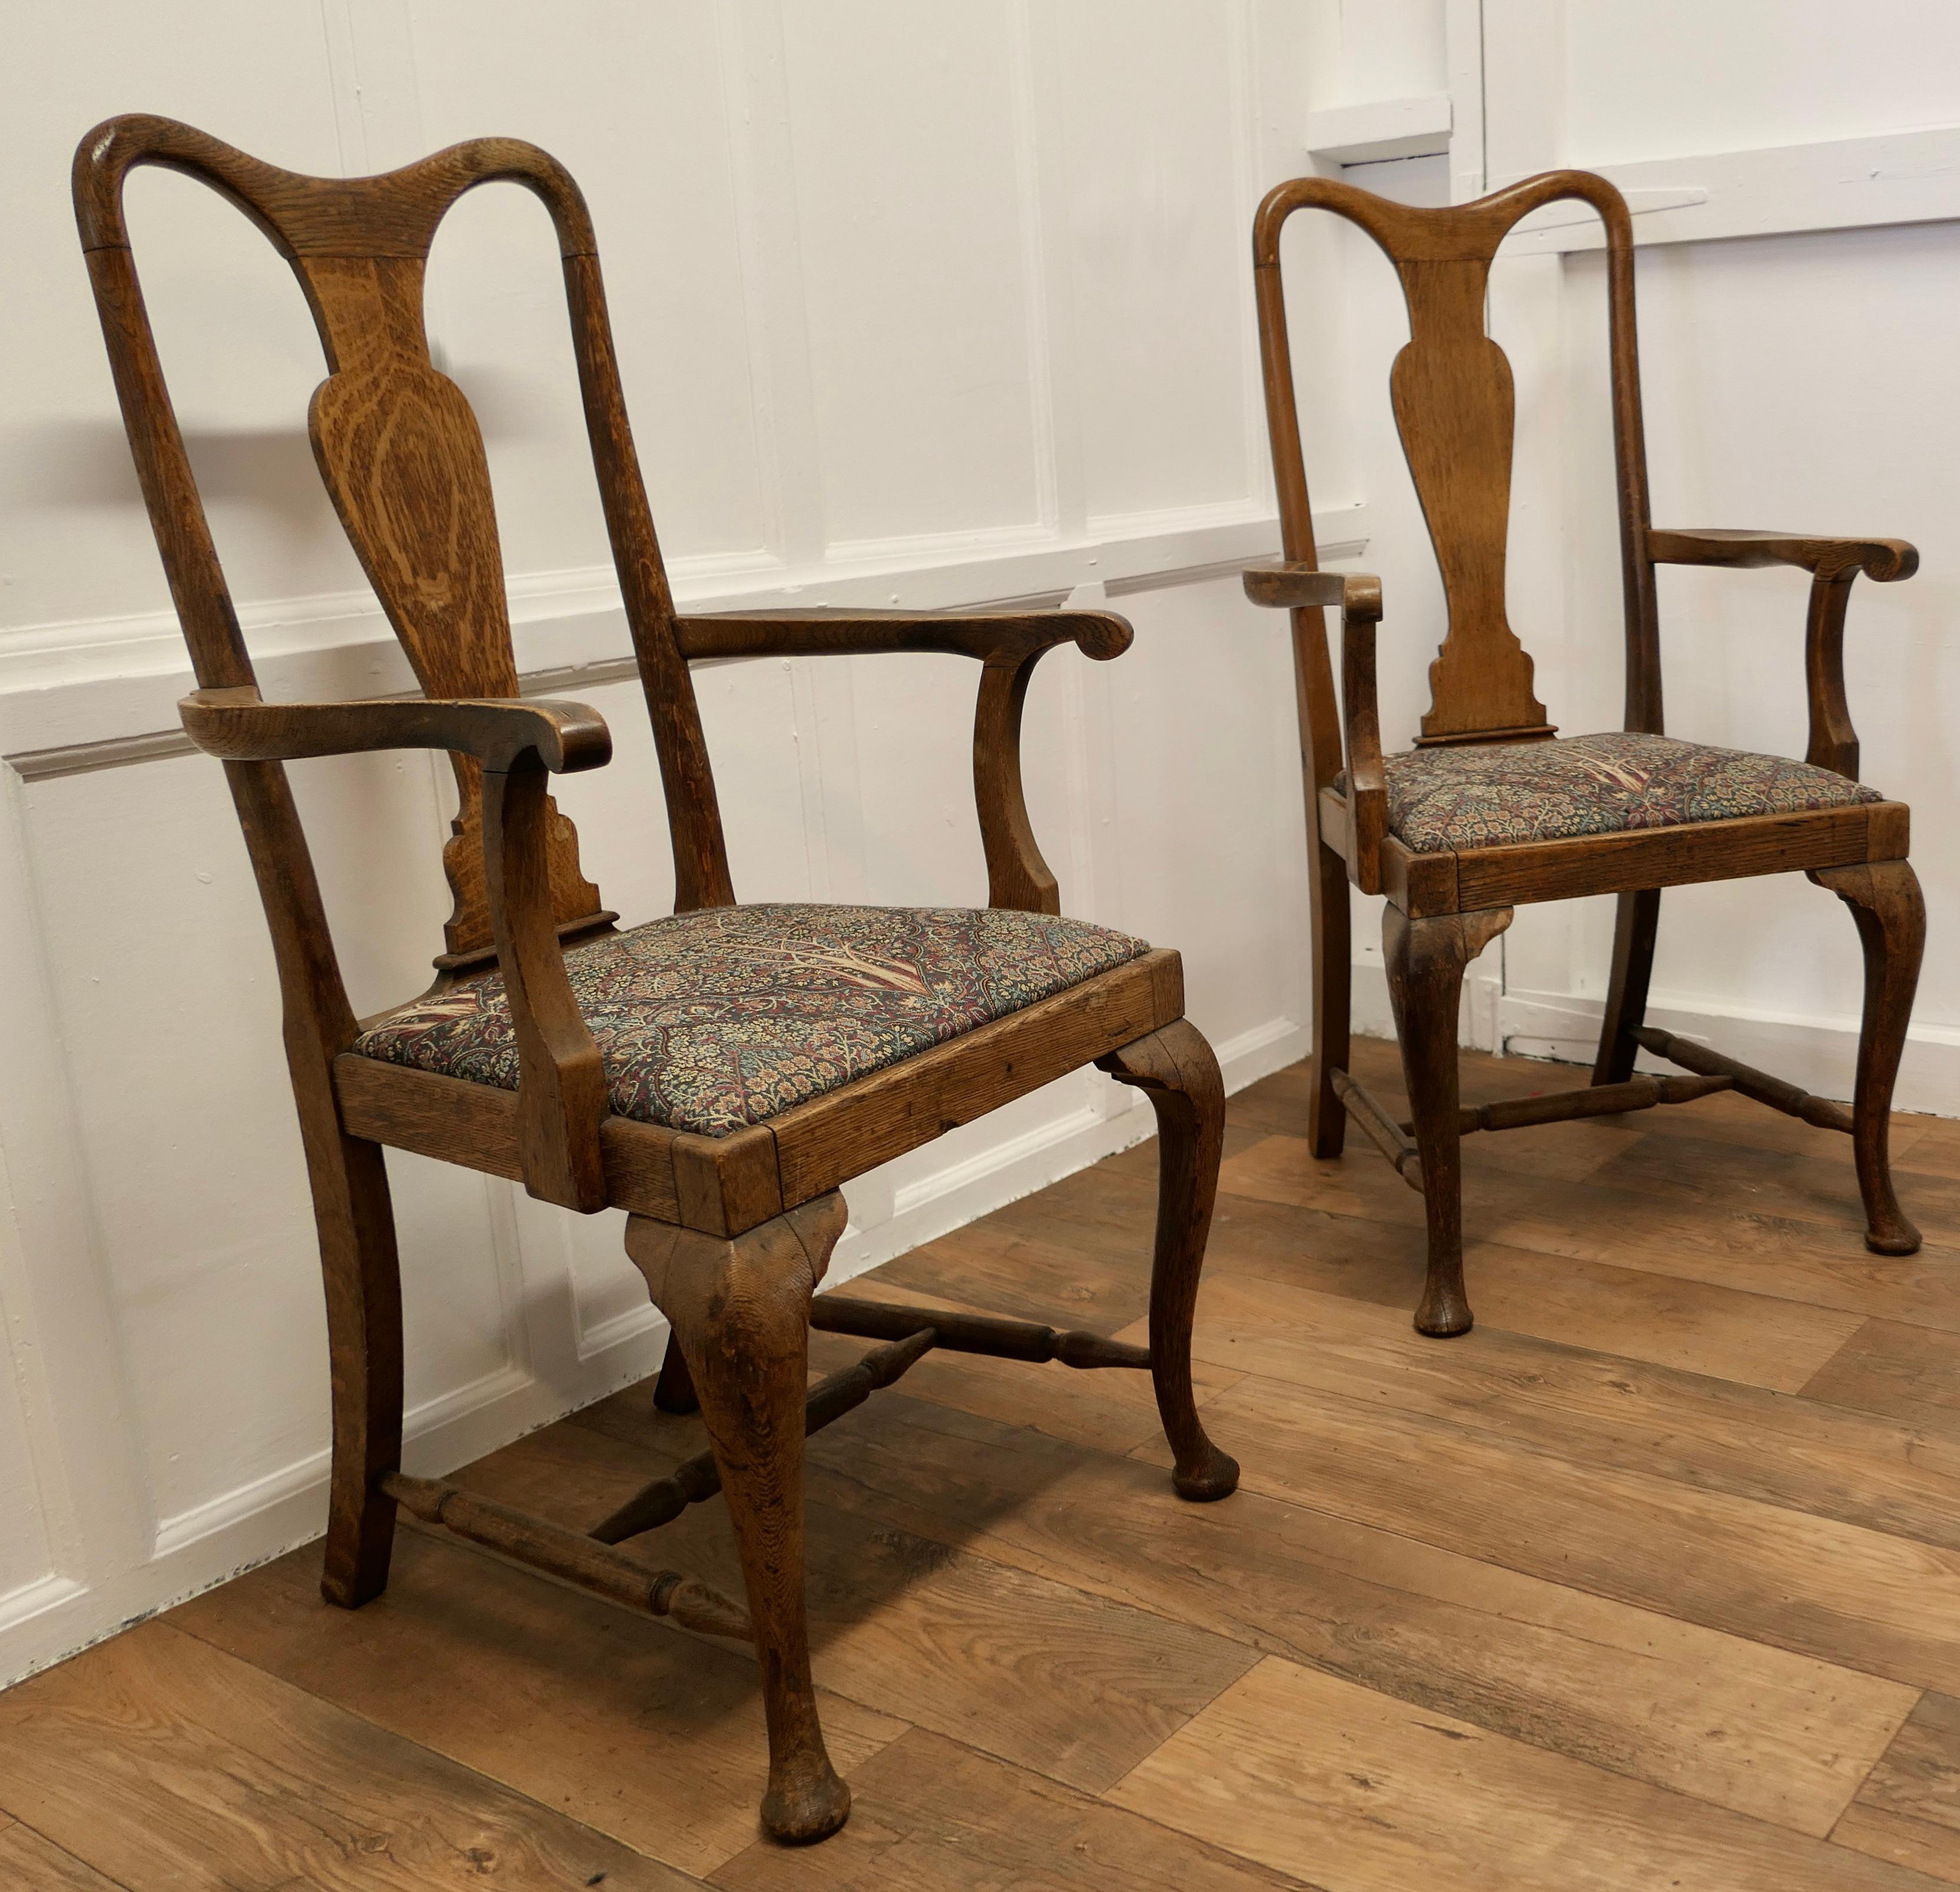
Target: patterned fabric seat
x,y
1488,795
711,1020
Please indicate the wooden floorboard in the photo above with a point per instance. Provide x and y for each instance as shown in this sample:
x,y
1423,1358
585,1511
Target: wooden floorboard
x,y
28,1863
158,1760
1715,1715
1909,1810
932,1816
1305,1772
1652,1579
648,1736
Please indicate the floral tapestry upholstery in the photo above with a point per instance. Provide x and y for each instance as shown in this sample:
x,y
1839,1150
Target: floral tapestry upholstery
x,y
1488,794
712,1020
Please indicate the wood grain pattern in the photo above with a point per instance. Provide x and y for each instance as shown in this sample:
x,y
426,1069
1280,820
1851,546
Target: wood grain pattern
x,y
1745,1442
649,1736
1175,1069
1309,1774
1894,1367
1909,1810
935,1816
1844,1594
1355,1238
1781,1736
1110,1411
162,1761
30,1864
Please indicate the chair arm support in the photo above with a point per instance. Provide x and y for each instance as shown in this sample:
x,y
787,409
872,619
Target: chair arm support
x,y
1367,789
562,1095
1881,559
1357,596
1008,644
983,634
1302,587
1833,564
235,726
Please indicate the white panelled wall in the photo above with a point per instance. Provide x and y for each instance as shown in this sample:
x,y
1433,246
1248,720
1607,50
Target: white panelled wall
x,y
1796,197
928,302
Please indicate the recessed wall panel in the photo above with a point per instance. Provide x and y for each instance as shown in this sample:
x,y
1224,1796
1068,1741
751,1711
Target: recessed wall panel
x,y
910,218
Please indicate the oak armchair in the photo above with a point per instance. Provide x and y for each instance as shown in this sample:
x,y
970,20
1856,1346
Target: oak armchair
x,y
718,1074
1490,809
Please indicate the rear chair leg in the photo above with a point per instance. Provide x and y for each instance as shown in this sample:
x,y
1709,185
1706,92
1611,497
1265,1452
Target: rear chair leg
x,y
1326,1116
1886,902
740,1309
1175,1069
1425,962
364,1332
1626,993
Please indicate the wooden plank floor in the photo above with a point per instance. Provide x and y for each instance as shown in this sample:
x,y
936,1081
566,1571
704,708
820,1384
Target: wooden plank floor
x,y
1653,1580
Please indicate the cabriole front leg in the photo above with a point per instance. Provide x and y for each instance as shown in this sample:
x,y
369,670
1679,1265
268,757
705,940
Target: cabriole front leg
x,y
1175,1069
1886,902
1425,962
740,1309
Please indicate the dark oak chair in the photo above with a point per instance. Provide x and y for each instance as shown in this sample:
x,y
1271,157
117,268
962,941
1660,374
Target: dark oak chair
x,y
1490,809
718,1074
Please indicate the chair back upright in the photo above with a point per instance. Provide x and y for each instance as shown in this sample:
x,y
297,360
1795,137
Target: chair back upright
x,y
401,455
1451,391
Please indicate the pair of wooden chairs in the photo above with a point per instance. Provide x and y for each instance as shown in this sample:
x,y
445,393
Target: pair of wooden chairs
x,y
720,1073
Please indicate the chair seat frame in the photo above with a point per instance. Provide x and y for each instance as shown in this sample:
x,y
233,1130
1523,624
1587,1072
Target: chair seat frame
x,y
1453,400
733,1233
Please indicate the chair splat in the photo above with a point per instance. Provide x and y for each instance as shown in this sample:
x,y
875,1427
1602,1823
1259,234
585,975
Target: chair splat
x,y
1454,408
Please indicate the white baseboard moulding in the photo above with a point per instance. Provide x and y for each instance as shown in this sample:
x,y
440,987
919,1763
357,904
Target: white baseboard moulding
x,y
1819,1053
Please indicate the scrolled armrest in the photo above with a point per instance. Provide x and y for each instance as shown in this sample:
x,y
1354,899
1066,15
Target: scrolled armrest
x,y
1833,564
982,635
236,726
1008,644
1883,560
1358,596
562,1095
1303,587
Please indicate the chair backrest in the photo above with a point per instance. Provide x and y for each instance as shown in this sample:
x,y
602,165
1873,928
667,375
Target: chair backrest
x,y
403,458
1451,391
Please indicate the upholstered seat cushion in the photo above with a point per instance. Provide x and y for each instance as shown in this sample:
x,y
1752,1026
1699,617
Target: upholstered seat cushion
x,y
711,1020
1488,794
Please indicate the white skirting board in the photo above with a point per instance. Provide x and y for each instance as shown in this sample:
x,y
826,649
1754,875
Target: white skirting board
x,y
1819,1053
